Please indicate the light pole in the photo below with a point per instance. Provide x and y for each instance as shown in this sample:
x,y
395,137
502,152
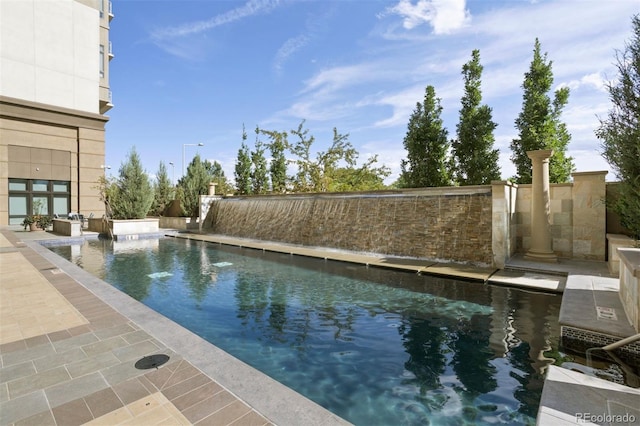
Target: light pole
x,y
105,168
183,148
173,173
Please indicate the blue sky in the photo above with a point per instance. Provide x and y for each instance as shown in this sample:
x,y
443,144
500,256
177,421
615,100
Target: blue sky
x,y
188,72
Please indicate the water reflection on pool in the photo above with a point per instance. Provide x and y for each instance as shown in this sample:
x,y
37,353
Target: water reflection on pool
x,y
371,345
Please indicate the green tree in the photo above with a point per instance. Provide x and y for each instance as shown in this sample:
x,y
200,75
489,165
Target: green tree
x,y
278,167
319,174
243,167
133,195
475,161
427,145
328,161
539,123
194,184
163,191
363,178
620,132
307,173
217,176
259,174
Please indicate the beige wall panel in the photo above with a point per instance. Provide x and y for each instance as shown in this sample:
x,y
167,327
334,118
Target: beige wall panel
x,y
40,156
41,171
19,170
91,134
91,161
40,141
89,188
43,129
4,153
61,158
92,147
92,205
19,153
60,172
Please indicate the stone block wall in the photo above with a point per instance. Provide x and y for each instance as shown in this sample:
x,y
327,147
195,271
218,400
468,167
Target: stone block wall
x,y
577,217
630,284
451,224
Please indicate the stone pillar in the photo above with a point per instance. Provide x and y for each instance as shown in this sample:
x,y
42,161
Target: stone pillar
x,y
502,195
540,208
589,215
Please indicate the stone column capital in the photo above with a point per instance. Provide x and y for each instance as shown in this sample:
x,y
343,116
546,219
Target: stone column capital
x,y
540,153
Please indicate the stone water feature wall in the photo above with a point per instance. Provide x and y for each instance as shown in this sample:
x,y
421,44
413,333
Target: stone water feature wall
x,y
438,223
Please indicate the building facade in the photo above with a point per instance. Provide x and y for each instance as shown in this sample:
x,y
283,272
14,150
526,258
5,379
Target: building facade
x,y
54,94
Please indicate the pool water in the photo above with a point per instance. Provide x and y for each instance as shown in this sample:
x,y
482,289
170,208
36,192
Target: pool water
x,y
374,346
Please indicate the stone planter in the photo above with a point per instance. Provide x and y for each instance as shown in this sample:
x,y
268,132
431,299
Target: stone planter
x,y
121,227
614,242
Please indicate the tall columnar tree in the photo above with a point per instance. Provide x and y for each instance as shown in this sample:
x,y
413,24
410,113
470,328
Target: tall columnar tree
x,y
475,160
278,167
259,174
620,132
539,122
243,167
134,194
163,191
427,145
194,184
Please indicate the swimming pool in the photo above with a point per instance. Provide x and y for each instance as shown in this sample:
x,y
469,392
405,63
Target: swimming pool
x,y
371,345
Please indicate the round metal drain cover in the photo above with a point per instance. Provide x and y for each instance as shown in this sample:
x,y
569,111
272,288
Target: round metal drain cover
x,y
151,361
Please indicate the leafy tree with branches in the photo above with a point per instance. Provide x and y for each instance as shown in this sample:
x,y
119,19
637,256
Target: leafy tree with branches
x,y
539,123
620,132
363,178
307,174
427,145
243,167
163,191
259,174
474,158
132,194
328,162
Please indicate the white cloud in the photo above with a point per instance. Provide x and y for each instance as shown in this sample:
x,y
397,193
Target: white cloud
x,y
593,80
252,7
289,47
445,16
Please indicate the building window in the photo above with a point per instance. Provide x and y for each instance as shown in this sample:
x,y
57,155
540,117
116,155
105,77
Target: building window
x,y
101,60
35,196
